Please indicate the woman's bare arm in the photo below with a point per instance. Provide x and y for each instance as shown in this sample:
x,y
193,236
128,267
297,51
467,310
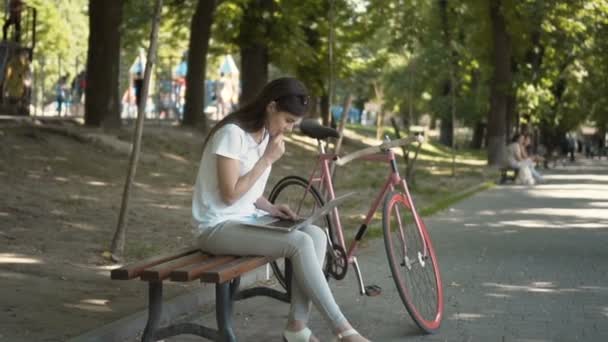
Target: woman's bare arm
x,y
231,185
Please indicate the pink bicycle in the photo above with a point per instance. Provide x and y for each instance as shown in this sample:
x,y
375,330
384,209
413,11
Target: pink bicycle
x,y
408,245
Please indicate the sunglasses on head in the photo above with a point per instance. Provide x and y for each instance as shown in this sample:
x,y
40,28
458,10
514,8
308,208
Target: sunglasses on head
x,y
304,99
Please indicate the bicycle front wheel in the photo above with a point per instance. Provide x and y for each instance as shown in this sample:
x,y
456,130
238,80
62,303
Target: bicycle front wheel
x,y
292,190
413,263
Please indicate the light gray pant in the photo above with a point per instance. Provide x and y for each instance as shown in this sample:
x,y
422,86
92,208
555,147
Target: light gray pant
x,y
305,248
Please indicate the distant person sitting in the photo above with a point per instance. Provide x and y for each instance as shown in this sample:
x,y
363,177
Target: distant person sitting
x,y
15,8
517,161
526,153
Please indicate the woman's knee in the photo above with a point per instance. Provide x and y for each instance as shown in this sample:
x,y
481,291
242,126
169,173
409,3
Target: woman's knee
x,y
301,242
316,233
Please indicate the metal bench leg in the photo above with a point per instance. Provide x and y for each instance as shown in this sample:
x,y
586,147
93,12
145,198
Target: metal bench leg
x,y
155,302
503,177
223,312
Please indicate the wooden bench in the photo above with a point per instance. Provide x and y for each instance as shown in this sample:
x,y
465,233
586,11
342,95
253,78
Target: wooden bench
x,y
508,174
192,264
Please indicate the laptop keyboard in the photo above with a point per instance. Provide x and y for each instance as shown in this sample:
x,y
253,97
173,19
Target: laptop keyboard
x,y
285,223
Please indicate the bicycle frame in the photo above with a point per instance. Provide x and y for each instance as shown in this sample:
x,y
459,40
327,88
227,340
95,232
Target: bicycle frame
x,y
321,175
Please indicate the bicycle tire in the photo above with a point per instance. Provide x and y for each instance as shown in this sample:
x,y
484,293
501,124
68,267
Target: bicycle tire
x,y
281,188
416,275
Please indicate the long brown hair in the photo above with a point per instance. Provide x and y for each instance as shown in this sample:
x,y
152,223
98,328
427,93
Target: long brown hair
x,y
289,94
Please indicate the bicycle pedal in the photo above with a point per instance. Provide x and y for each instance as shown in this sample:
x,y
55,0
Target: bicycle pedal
x,y
373,290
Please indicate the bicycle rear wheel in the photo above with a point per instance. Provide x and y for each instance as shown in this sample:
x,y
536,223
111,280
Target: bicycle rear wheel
x,y
292,190
413,263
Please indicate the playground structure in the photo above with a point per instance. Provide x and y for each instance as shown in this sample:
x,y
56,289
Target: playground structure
x,y
23,43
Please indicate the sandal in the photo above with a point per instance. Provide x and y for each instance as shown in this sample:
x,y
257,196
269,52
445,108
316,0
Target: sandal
x,y
349,332
299,336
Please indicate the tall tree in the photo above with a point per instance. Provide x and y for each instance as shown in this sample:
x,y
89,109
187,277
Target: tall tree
x,y
200,33
446,136
253,44
500,85
102,107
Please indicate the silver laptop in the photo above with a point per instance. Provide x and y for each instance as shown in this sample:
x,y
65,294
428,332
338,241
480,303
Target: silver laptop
x,y
286,225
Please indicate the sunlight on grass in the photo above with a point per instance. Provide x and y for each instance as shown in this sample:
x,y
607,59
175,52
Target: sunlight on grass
x,y
181,191
95,301
97,183
89,307
10,258
83,198
175,157
81,226
308,144
166,206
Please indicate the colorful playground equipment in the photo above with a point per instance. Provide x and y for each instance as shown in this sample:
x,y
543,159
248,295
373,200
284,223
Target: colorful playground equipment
x,y
16,53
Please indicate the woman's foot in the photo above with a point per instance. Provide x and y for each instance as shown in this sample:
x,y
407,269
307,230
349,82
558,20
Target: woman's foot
x,y
301,335
350,335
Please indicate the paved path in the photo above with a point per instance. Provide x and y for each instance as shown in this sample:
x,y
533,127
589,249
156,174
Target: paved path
x,y
519,264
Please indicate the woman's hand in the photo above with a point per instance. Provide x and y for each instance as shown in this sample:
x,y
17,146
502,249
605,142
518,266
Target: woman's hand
x,y
283,211
275,148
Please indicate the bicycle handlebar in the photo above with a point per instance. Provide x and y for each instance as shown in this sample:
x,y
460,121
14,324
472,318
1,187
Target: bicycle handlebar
x,y
378,148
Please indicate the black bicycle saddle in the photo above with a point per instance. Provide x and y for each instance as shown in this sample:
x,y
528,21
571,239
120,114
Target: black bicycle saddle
x,y
313,129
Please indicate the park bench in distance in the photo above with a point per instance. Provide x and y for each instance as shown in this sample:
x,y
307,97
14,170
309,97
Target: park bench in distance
x,y
192,264
507,173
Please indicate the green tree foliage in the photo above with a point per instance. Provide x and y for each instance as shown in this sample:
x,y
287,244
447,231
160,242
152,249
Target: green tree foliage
x,y
557,65
562,60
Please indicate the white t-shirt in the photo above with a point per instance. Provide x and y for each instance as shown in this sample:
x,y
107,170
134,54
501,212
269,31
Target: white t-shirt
x,y
513,151
233,142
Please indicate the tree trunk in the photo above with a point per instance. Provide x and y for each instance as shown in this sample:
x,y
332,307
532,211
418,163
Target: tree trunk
x,y
254,70
379,91
478,134
511,118
102,106
446,130
253,38
325,114
118,242
500,86
314,108
200,32
345,109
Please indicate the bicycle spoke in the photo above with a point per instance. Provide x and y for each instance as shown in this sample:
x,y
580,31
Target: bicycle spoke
x,y
414,267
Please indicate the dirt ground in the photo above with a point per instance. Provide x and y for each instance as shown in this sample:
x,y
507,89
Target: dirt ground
x,y
58,211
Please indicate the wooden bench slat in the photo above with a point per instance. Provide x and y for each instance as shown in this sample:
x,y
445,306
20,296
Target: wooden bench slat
x,y
136,269
233,269
162,271
192,272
